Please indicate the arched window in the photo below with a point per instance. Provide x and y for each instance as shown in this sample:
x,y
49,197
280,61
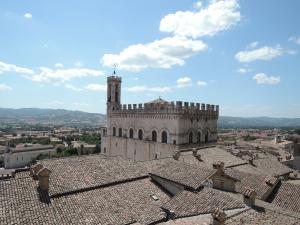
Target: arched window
x,y
116,93
114,131
140,134
154,136
130,133
120,132
198,137
164,137
191,137
206,136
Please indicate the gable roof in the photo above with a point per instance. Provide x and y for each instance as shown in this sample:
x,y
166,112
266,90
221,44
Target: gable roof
x,y
84,172
272,167
190,176
188,203
158,101
214,154
118,204
262,184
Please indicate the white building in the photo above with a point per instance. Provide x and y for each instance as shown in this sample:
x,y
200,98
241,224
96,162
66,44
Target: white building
x,y
24,155
155,129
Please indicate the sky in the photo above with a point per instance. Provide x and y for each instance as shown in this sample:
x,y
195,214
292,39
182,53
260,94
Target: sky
x,y
239,54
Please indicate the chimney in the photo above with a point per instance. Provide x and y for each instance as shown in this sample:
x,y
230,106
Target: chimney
x,y
249,197
43,176
176,155
279,158
199,158
194,151
219,216
219,166
270,181
251,161
170,214
34,170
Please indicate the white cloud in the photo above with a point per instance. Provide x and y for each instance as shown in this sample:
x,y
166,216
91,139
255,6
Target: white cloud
x,y
198,5
80,104
139,89
264,53
72,87
162,53
59,65
62,75
201,83
215,17
96,87
184,82
252,45
262,78
28,15
6,67
244,70
296,40
78,64
4,87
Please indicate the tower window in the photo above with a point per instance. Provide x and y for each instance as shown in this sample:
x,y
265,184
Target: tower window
x,y
140,134
154,136
130,133
109,93
114,131
191,137
117,93
206,137
120,132
164,137
198,137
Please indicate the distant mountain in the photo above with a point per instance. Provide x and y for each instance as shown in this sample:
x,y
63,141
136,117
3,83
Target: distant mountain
x,y
257,122
36,116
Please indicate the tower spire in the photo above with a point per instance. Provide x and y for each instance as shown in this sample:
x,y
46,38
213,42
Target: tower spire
x,y
115,67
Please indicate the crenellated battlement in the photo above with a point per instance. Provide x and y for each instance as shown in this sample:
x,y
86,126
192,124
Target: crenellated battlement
x,y
177,107
114,78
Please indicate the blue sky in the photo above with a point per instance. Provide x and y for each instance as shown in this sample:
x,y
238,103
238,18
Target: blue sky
x,y
242,55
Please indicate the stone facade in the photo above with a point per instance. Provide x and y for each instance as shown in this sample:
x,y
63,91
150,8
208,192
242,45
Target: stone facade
x,y
155,129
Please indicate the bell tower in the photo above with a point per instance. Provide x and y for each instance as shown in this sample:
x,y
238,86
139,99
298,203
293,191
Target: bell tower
x,y
113,92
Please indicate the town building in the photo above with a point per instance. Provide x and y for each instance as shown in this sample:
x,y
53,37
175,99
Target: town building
x,y
155,129
186,189
25,154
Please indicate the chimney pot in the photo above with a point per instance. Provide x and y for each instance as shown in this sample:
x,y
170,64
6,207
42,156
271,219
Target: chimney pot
x,y
35,169
194,151
249,197
219,166
43,177
176,155
219,216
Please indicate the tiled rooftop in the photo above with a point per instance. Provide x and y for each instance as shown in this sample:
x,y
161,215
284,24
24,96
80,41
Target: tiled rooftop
x,y
261,217
262,184
75,173
287,196
188,203
191,176
211,155
118,204
272,167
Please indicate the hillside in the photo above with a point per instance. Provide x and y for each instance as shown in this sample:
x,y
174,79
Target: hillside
x,y
36,116
257,122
